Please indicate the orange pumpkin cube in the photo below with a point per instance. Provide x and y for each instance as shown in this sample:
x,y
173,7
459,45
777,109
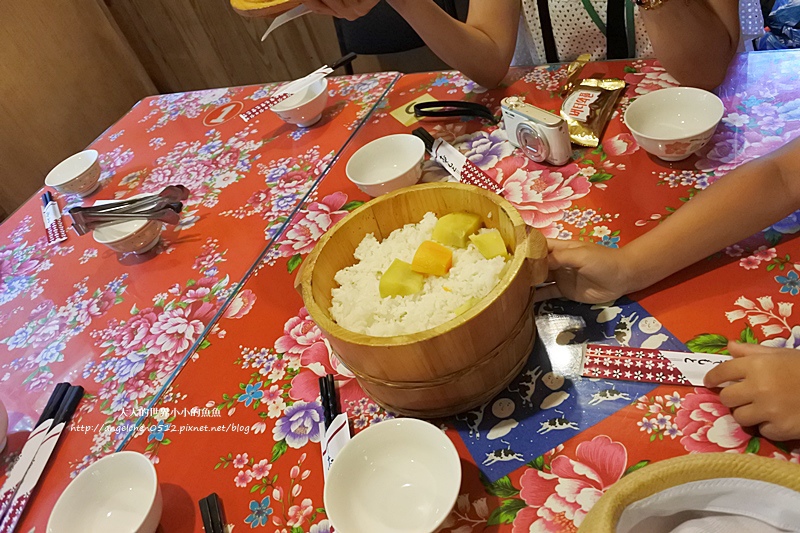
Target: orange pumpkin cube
x,y
432,258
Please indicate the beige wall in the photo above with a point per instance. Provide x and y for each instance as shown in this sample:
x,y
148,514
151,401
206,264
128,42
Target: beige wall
x,y
71,68
190,44
66,74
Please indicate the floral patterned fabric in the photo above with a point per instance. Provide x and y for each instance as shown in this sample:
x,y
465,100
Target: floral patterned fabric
x,y
263,374
252,382
123,325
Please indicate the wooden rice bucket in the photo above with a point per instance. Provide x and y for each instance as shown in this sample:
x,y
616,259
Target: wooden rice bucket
x,y
462,363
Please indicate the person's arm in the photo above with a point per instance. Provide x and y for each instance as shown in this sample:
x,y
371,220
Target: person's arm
x,y
481,48
695,40
742,203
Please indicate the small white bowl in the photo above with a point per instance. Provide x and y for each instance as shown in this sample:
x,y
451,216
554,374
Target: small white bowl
x,y
675,122
138,236
305,107
119,493
398,476
77,174
387,163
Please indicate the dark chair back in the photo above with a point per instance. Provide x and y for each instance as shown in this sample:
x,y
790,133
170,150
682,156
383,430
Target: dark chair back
x,y
381,31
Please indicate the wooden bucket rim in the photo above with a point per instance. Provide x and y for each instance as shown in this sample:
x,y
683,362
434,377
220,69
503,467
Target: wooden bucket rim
x,y
332,328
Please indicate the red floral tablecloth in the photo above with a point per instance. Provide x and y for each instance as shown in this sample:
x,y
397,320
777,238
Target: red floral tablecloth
x,y
265,459
241,417
122,325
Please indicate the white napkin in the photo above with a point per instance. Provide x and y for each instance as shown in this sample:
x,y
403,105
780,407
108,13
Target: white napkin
x,y
715,505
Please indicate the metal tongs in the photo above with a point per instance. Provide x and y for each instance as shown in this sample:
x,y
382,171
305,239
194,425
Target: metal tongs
x,y
164,206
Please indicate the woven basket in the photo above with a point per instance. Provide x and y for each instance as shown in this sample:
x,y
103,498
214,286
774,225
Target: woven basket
x,y
457,365
605,515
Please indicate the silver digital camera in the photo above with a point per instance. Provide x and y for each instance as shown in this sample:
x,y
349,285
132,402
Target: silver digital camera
x,y
541,135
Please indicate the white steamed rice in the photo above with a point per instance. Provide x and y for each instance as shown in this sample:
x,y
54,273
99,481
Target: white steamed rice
x,y
358,306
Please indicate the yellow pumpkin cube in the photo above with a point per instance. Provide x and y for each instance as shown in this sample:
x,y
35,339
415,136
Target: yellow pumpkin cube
x,y
432,258
490,244
400,280
453,229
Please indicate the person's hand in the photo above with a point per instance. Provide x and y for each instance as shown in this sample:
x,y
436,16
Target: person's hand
x,y
344,9
766,388
585,272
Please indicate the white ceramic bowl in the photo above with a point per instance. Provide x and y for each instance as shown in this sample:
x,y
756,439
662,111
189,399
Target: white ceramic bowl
x,y
119,493
77,174
386,164
304,108
675,122
138,236
398,476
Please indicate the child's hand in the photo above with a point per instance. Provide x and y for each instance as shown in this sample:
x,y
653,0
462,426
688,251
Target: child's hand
x,y
766,388
585,272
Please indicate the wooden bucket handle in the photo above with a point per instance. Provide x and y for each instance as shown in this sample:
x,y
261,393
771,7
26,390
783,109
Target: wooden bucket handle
x,y
537,256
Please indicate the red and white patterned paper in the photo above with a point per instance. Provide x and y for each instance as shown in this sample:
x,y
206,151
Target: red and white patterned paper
x,y
630,364
53,223
253,112
647,365
462,168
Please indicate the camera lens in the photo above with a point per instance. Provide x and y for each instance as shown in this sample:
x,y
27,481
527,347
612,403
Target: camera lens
x,y
533,144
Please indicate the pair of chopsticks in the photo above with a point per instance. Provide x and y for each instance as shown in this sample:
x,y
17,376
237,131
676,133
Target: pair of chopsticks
x,y
327,395
36,453
211,512
295,86
53,225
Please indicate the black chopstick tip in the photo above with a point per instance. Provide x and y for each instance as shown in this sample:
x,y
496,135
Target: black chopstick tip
x,y
344,60
426,137
325,400
54,402
333,400
212,514
70,402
